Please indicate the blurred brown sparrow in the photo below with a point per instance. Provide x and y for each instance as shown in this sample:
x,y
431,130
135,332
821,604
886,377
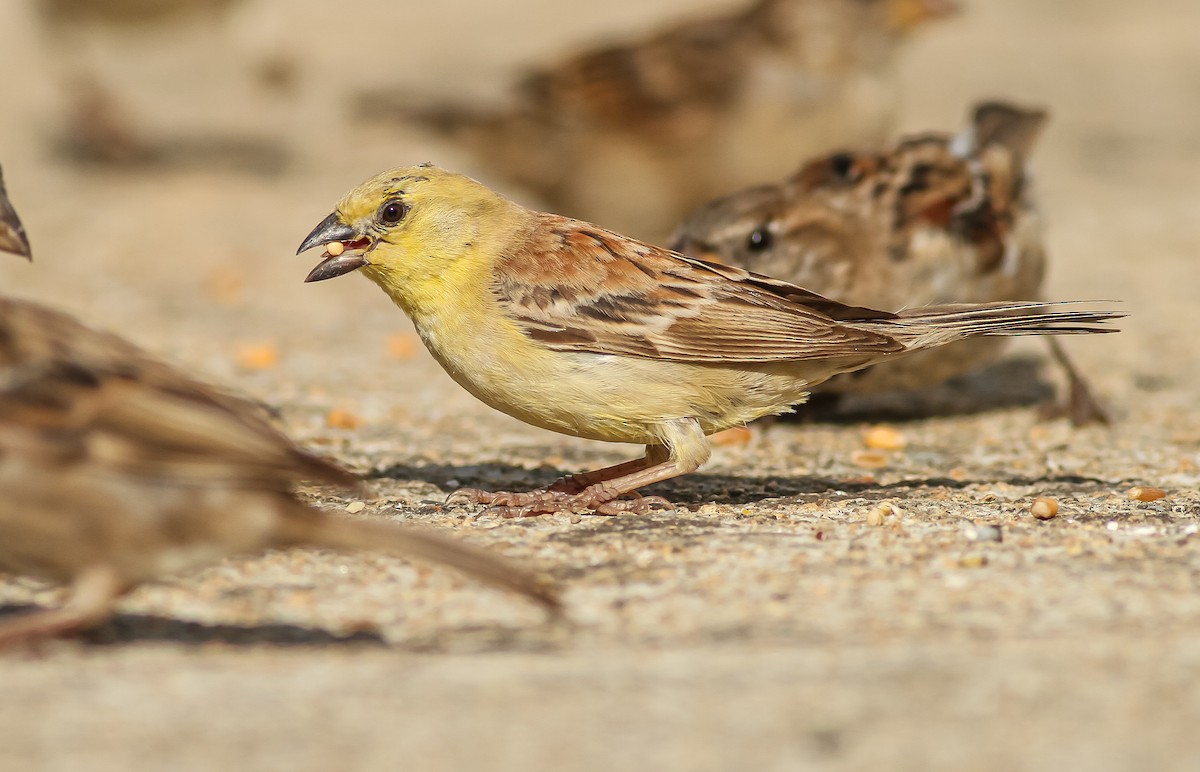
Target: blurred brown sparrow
x,y
635,134
116,468
932,219
116,119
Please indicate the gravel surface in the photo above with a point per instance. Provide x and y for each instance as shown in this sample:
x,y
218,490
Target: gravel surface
x,y
777,618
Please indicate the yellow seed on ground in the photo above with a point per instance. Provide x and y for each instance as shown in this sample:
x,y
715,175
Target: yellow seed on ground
x,y
226,285
335,248
738,435
402,345
257,356
1146,494
884,438
869,459
1044,508
354,507
342,419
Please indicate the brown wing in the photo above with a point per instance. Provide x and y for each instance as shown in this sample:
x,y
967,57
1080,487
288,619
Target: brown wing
x,y
69,394
581,288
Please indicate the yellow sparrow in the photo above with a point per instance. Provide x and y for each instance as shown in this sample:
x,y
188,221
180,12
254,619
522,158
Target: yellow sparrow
x,y
580,330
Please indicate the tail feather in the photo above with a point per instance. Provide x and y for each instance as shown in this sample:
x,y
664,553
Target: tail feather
x,y
936,325
335,533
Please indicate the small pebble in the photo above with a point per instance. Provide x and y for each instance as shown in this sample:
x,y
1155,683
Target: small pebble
x,y
1146,494
880,513
1044,508
987,532
354,507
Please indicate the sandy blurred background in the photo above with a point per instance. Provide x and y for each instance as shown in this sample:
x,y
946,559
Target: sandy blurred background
x,y
769,630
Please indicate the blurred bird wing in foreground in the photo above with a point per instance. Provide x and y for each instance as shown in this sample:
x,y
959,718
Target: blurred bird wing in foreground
x,y
116,468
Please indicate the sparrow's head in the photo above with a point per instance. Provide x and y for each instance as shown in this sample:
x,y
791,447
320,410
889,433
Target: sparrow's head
x,y
810,238
12,233
410,222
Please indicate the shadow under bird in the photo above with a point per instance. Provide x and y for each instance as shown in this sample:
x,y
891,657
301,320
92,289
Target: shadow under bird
x,y
116,468
580,330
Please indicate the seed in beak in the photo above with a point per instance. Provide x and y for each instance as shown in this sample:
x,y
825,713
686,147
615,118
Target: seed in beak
x,y
335,248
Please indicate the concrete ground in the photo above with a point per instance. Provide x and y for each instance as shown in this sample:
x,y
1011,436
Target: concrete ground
x,y
763,624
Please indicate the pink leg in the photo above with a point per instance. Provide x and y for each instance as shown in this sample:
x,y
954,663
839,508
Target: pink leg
x,y
597,491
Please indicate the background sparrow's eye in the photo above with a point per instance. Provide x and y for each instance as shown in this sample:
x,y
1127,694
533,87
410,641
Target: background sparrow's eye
x,y
842,165
392,212
760,239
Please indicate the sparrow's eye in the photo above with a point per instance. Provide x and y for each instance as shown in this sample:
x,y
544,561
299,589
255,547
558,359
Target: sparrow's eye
x,y
392,212
760,239
842,165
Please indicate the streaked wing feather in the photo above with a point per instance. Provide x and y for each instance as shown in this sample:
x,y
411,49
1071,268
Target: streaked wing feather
x,y
581,288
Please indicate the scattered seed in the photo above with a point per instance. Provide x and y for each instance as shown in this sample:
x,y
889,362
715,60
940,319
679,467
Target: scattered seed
x,y
973,560
342,419
402,345
226,286
881,513
1044,508
354,507
737,436
335,248
869,459
1146,494
884,438
257,356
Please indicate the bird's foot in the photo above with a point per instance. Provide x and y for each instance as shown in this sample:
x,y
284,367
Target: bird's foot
x,y
596,498
1082,408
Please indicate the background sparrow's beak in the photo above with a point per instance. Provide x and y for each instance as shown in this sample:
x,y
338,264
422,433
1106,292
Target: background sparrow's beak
x,y
12,233
344,249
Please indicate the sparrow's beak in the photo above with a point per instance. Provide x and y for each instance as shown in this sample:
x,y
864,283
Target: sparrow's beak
x,y
344,249
12,233
906,14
